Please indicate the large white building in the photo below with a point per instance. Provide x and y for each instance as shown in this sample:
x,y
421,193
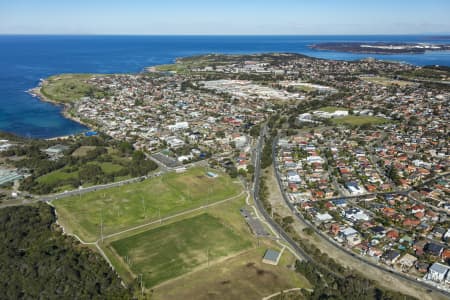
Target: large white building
x,y
314,159
326,217
292,176
355,214
351,236
174,142
438,272
354,188
178,126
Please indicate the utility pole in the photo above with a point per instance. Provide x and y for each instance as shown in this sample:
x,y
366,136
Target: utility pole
x,y
207,256
159,215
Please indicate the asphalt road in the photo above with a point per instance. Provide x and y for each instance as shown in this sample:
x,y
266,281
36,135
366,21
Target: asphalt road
x,y
294,245
81,191
259,205
327,239
85,190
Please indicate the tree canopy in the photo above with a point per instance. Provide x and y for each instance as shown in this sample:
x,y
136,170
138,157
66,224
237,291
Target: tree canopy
x,y
38,262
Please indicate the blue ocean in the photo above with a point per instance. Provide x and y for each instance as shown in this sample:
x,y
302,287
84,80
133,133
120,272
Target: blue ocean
x,y
24,60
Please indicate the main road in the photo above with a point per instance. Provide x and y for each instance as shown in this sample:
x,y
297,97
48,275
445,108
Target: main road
x,y
262,211
389,272
258,204
83,190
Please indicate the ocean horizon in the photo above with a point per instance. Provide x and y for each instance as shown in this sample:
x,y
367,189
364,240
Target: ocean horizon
x,y
28,58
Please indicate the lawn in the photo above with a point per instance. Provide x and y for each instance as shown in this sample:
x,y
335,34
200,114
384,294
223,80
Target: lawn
x,y
304,88
61,174
240,277
172,250
56,176
83,150
331,109
171,68
172,256
134,204
386,81
359,120
69,87
108,167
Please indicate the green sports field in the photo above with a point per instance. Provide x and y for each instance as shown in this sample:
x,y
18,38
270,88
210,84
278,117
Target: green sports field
x,y
169,251
130,205
331,109
359,120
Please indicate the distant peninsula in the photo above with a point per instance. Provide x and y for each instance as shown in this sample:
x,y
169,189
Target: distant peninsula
x,y
381,47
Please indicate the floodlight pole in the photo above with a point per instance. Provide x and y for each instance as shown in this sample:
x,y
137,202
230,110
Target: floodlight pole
x,y
143,205
207,198
142,287
101,224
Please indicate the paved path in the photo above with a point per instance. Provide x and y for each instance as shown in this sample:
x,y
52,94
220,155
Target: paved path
x,y
94,188
284,292
100,250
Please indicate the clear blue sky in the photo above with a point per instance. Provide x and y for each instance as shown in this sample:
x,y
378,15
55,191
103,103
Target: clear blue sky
x,y
224,16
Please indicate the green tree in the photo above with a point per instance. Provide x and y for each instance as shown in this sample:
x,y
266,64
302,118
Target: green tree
x,y
38,262
91,173
125,148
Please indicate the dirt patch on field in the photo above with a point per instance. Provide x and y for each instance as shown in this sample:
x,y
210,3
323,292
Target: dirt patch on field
x,y
240,277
